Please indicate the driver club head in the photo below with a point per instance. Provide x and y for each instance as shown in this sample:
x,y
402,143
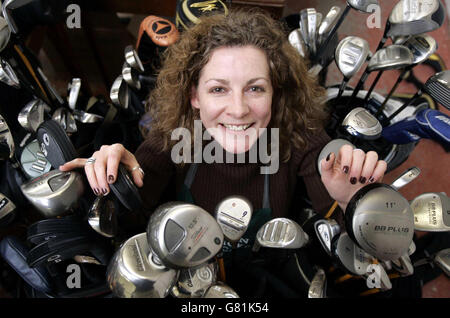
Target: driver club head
x,y
390,58
438,87
102,217
326,230
380,220
421,47
135,271
184,235
132,58
415,17
360,123
280,233
32,115
220,290
196,280
119,93
233,215
54,193
318,287
431,212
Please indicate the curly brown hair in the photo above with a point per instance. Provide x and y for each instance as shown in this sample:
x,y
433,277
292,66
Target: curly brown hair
x,y
298,99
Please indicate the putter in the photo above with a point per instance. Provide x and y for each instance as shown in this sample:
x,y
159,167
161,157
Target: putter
x,y
74,91
360,123
326,230
135,271
280,233
184,235
220,290
350,55
233,215
33,161
32,115
318,287
102,217
195,281
431,212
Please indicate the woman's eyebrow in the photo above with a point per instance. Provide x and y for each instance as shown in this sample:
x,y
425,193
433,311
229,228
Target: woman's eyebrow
x,y
224,81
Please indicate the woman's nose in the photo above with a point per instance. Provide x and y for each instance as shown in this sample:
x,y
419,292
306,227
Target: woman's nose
x,y
238,106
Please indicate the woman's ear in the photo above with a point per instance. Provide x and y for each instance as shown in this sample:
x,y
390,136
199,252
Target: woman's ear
x,y
194,98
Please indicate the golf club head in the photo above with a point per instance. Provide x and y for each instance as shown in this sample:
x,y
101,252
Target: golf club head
x,y
65,119
233,215
86,118
403,265
102,217
33,161
280,233
360,123
195,281
131,76
6,138
438,87
296,40
350,55
54,193
380,220
74,91
318,287
119,93
125,189
303,25
431,212
363,5
312,28
32,115
184,235
326,230
415,17
333,146
132,58
400,39
7,210
353,258
7,7
421,46
5,34
328,22
7,74
220,290
442,259
405,178
136,272
391,57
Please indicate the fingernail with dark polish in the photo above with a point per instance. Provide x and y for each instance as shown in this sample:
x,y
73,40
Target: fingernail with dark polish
x,y
346,169
110,178
362,180
353,180
328,157
104,191
371,179
95,191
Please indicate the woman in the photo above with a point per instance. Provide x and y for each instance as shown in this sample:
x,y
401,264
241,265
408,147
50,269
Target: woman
x,y
238,74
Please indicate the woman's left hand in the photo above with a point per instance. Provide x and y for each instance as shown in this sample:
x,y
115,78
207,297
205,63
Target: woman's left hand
x,y
350,171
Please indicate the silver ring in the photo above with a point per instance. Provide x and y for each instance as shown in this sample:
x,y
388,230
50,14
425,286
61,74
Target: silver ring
x,y
138,167
90,161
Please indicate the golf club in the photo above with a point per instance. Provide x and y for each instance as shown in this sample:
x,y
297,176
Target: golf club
x,y
326,230
74,91
195,281
33,161
32,115
431,212
65,119
318,287
362,124
220,290
327,23
102,217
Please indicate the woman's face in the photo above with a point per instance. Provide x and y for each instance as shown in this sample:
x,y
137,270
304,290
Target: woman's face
x,y
234,96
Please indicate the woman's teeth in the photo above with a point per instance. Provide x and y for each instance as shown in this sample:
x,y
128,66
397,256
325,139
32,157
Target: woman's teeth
x,y
237,127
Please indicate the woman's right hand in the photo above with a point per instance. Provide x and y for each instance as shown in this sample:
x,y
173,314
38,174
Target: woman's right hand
x,y
103,171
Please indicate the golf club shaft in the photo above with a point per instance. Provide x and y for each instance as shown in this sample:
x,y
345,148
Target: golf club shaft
x,y
369,92
399,79
386,122
342,87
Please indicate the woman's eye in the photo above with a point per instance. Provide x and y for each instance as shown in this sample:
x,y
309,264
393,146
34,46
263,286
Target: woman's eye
x,y
217,90
257,89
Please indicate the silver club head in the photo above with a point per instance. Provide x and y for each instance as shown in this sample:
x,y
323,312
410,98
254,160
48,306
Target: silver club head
x,y
220,290
442,259
362,124
102,217
328,22
438,87
131,76
353,258
421,46
132,58
303,25
405,178
84,117
74,91
326,230
318,287
7,207
54,193
403,265
233,215
391,57
280,233
7,74
33,161
5,34
195,281
350,55
184,235
6,138
135,271
119,93
380,220
431,212
400,39
312,28
333,146
32,115
415,17
9,5
65,119
296,40
363,5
